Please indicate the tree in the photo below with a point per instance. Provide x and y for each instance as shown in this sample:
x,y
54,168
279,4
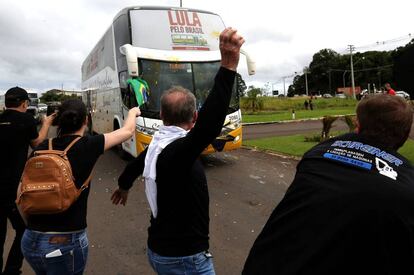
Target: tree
x,y
53,96
403,69
241,85
329,70
253,101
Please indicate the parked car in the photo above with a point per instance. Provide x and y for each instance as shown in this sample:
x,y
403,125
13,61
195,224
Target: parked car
x,y
42,107
403,94
326,95
340,96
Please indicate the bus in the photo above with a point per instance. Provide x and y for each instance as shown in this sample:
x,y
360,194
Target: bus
x,y
33,108
2,103
164,46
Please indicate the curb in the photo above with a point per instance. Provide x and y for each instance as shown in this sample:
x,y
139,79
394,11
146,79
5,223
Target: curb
x,y
290,121
270,152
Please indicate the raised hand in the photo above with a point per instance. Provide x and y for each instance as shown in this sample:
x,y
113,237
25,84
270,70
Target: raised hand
x,y
230,44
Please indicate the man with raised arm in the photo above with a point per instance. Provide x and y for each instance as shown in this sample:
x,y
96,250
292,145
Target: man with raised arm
x,y
175,181
18,130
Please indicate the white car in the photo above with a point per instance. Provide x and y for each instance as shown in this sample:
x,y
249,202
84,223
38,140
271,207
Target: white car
x,y
42,107
403,94
340,96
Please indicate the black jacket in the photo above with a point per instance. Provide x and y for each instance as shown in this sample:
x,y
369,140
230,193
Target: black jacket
x,y
182,224
349,210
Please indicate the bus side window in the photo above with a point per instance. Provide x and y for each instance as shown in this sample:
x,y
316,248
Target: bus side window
x,y
123,76
128,96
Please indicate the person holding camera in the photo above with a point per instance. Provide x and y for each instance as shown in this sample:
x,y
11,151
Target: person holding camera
x,y
18,130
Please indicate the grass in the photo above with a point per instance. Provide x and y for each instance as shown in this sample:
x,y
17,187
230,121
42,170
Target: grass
x,y
297,103
277,109
295,145
300,114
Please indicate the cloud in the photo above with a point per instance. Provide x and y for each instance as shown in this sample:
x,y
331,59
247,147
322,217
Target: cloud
x,y
43,43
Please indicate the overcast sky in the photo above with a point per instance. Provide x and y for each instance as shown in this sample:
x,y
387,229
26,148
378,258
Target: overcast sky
x,y
43,42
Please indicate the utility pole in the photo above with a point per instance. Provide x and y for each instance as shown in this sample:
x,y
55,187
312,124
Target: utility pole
x,y
284,87
305,70
330,81
351,50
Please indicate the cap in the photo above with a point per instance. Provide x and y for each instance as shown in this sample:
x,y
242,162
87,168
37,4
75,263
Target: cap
x,y
16,94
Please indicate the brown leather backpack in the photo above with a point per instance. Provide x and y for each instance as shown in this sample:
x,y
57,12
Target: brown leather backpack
x,y
47,185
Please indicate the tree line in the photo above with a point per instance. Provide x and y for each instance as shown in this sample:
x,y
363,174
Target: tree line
x,y
330,70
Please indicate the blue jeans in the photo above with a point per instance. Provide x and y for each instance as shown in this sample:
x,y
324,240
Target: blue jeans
x,y
200,263
72,246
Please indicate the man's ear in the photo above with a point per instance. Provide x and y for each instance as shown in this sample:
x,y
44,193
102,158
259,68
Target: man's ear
x,y
357,129
195,116
24,104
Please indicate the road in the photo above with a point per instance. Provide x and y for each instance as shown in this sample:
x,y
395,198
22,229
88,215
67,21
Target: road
x,y
293,128
244,186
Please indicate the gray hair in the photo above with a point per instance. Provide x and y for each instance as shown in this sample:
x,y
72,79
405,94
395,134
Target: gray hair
x,y
177,106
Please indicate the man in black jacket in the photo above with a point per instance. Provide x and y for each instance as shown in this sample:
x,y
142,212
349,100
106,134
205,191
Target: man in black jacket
x,y
176,185
350,208
18,130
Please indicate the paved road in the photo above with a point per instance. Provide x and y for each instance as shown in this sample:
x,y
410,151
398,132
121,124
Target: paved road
x,y
293,128
244,188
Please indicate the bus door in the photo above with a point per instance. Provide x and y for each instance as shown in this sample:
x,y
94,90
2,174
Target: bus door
x,y
128,101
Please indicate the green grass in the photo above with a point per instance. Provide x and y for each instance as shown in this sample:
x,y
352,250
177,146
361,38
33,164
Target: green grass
x,y
287,104
300,114
296,146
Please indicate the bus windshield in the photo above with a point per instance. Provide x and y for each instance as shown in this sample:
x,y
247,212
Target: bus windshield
x,y
34,100
196,77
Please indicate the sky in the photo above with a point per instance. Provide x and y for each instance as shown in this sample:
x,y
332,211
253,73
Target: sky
x,y
43,42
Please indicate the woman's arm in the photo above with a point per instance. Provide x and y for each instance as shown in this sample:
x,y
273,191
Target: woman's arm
x,y
118,136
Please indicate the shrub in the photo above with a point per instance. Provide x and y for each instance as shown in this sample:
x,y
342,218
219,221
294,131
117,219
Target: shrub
x,y
351,122
327,122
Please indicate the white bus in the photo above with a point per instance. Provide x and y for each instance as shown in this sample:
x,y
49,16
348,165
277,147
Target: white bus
x,y
165,47
2,103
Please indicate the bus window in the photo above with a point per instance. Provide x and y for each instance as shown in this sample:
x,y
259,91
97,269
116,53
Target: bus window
x,y
128,97
161,76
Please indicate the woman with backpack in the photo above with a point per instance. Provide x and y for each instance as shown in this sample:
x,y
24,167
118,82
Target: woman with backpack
x,y
57,243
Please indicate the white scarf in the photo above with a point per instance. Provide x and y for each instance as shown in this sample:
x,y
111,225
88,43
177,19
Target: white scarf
x,y
160,140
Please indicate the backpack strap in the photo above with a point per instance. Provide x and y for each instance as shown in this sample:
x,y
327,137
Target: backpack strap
x,y
69,146
85,183
50,144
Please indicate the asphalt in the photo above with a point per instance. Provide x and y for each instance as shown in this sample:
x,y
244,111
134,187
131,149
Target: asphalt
x,y
244,186
255,131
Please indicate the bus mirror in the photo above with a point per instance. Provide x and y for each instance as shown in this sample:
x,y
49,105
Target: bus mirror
x,y
251,65
132,59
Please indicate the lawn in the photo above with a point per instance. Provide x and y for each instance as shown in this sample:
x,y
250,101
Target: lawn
x,y
299,114
278,109
296,146
297,103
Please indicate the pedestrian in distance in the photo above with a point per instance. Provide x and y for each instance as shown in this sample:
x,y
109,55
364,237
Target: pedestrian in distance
x,y
18,131
306,104
57,244
176,185
310,104
350,207
389,90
